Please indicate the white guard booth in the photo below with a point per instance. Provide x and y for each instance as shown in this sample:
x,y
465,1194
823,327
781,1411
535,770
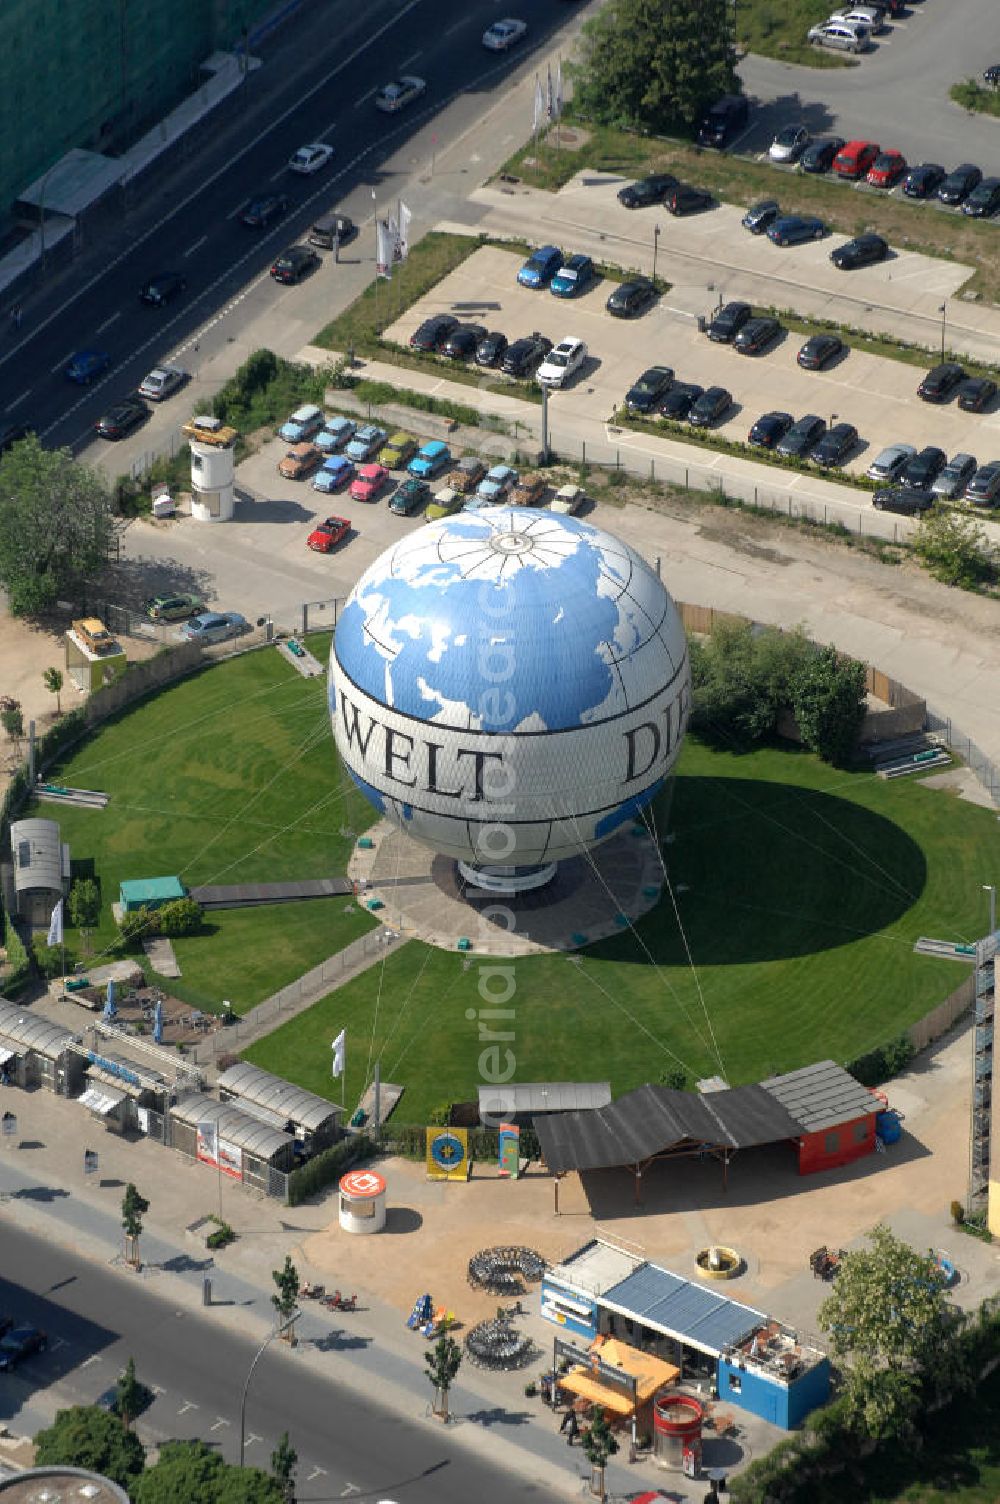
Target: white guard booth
x,y
362,1201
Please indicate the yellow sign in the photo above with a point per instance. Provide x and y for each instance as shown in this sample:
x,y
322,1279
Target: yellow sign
x,y
447,1153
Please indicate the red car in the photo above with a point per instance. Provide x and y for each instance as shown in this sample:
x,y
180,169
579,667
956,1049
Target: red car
x,y
854,159
887,169
327,534
370,480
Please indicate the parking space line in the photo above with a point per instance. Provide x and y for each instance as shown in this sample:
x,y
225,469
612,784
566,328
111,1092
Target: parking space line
x,y
365,97
187,1405
251,1438
24,394
456,26
317,1472
108,322
192,248
220,1423
276,175
419,53
88,1361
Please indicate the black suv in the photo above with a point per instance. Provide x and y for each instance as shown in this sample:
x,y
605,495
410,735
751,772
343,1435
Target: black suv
x,y
756,335
433,332
801,437
161,288
525,353
864,250
759,216
631,297
923,181
818,155
835,445
686,199
461,342
939,383
728,322
920,472
907,503
648,390
959,184
725,117
647,191
984,200
491,348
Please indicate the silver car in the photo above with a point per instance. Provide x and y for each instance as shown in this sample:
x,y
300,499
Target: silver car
x,y
955,476
887,465
871,16
161,382
845,36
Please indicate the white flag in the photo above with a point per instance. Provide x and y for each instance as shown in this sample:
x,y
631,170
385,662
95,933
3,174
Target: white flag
x,y
559,89
403,226
56,925
384,248
550,98
339,1048
539,106
392,226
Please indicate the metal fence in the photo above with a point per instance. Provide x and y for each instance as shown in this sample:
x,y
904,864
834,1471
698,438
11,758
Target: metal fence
x,y
986,771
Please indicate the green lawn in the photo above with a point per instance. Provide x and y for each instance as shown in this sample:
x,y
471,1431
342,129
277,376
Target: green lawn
x,y
778,28
801,891
228,776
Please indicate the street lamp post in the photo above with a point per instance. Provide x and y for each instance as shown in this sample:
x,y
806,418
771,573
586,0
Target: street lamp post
x,y
943,311
833,418
656,242
278,1331
990,888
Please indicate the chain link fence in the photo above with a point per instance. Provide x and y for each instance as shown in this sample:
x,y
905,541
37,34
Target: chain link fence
x,y
986,771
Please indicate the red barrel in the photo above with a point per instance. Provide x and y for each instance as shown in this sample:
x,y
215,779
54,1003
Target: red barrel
x,y
677,1423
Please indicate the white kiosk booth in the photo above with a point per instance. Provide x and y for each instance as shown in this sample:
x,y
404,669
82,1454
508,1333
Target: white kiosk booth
x,y
213,469
362,1201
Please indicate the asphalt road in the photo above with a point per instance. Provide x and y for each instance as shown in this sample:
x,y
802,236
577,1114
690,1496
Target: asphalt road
x,y
198,232
348,1445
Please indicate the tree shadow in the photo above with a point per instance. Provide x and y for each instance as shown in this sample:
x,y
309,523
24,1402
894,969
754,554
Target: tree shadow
x,y
498,1416
40,1193
337,1341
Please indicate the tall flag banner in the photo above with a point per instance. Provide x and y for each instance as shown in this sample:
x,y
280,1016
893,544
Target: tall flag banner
x,y
384,248
339,1048
56,925
559,90
550,97
539,114
392,225
403,218
207,1142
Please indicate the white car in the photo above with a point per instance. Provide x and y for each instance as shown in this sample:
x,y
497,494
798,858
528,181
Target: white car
x,y
161,382
309,159
871,16
400,93
568,500
503,34
562,362
789,144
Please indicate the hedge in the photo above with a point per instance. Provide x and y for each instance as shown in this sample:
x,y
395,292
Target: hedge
x,y
410,1140
18,960
326,1167
884,1062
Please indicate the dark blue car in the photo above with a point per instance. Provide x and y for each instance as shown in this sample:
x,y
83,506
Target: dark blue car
x,y
793,229
540,267
85,365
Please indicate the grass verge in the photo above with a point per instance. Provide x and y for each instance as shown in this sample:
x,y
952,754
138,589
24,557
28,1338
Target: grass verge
x,y
973,96
779,30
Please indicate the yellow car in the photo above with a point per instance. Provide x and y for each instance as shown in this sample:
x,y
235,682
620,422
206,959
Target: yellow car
x,y
445,503
398,451
300,461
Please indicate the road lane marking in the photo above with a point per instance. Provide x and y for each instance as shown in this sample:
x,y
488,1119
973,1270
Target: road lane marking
x,y
61,365
88,1361
24,394
187,1405
108,322
419,53
252,1437
457,26
365,97
192,248
220,1423
279,174
317,1472
352,1488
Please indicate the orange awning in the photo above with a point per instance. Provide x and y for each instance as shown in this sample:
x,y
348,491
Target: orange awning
x,y
578,1381
649,1372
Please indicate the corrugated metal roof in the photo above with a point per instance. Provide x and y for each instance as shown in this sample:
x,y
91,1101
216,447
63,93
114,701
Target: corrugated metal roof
x,y
695,1315
32,1032
37,849
821,1096
546,1096
294,1105
234,1125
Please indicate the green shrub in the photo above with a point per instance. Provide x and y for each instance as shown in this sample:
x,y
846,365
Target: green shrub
x,y
222,1235
183,916
957,1213
410,1140
18,960
327,1166
50,960
884,1062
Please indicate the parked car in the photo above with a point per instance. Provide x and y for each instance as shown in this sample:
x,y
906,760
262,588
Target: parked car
x,y
789,143
562,363
983,489
630,298
503,35
888,463
430,459
959,183
262,212
854,159
335,471
924,180
444,503
292,265
712,405
461,342
540,267
940,382
769,428
398,450
643,395
162,382
173,607
214,626
409,496
18,1343
327,534
841,35
433,332
497,484
573,277
568,500
525,354
863,250
819,350
920,472
332,230
804,434
908,503
756,335
818,155
955,476
162,289
310,159
366,441
722,121
300,461
304,422
528,492
647,191
334,434
984,200
122,418
679,400
976,393
991,75
491,348
370,481
728,322
835,445
887,169
793,229
686,199
398,94
761,215
466,475
86,365
870,16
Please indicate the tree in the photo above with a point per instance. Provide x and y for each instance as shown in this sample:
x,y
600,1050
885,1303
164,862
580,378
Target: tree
x,y
182,916
285,1301
88,1436
887,1314
599,1444
741,678
84,905
443,1362
134,1207
190,1470
284,1460
955,550
131,1395
828,700
650,65
137,924
676,1078
53,680
11,715
52,960
56,525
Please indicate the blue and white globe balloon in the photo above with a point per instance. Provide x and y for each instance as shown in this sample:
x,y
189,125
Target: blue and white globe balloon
x,y
510,687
